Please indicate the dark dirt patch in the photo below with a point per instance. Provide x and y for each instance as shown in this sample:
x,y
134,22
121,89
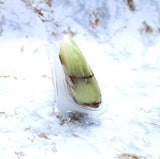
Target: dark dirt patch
x,y
130,4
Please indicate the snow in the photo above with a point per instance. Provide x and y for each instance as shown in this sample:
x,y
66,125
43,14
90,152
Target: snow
x,y
121,44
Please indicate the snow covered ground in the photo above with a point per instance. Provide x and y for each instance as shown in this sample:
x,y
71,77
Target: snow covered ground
x,y
120,40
